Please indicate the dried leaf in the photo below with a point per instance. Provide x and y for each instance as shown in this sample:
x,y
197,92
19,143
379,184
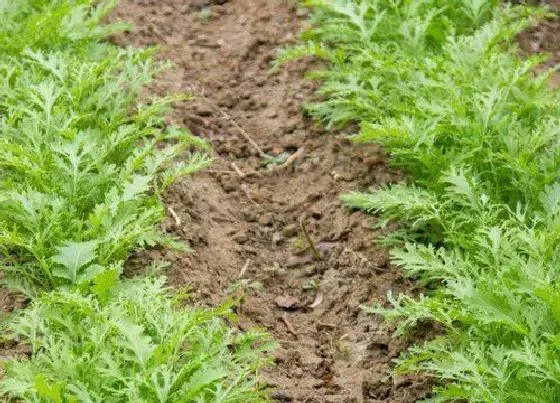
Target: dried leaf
x,y
317,301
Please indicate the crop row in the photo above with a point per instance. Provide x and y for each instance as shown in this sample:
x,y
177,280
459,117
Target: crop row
x,y
442,86
83,166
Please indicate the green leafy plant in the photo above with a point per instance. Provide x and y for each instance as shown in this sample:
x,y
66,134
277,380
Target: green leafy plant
x,y
83,167
441,86
77,166
55,25
130,341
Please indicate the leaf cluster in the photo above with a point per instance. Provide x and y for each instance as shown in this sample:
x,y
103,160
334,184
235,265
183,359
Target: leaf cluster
x,y
83,167
81,160
71,25
131,342
442,87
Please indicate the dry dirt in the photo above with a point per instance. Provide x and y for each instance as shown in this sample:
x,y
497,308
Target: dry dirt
x,y
245,226
545,38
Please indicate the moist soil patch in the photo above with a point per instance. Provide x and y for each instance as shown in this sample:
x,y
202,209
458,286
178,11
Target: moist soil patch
x,y
246,219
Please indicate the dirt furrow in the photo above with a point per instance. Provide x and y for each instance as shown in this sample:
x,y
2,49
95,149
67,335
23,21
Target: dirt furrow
x,y
244,218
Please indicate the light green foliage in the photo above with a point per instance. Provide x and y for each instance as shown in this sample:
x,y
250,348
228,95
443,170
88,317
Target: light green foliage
x,y
441,86
80,159
137,346
83,165
54,24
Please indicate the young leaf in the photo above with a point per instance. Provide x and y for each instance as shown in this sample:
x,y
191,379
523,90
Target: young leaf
x,y
73,257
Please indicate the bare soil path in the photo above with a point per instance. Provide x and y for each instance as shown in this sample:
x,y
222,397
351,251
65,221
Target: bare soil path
x,y
243,218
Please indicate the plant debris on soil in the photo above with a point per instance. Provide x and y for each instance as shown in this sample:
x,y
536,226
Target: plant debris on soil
x,y
248,215
544,38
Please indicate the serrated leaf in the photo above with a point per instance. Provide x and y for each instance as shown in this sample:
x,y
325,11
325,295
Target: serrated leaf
x,y
73,257
104,282
89,273
136,341
139,185
52,392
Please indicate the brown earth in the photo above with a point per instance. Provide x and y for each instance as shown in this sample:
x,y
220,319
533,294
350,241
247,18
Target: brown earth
x,y
545,38
245,226
9,302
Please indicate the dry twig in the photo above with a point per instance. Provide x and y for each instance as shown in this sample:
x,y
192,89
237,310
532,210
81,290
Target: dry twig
x,y
289,326
244,268
219,171
228,117
237,170
291,159
316,253
174,215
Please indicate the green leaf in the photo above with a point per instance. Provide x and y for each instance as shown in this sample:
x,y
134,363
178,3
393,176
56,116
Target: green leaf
x,y
136,341
89,273
51,392
104,282
139,185
73,257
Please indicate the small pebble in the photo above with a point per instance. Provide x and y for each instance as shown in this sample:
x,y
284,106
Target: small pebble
x,y
290,230
281,396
